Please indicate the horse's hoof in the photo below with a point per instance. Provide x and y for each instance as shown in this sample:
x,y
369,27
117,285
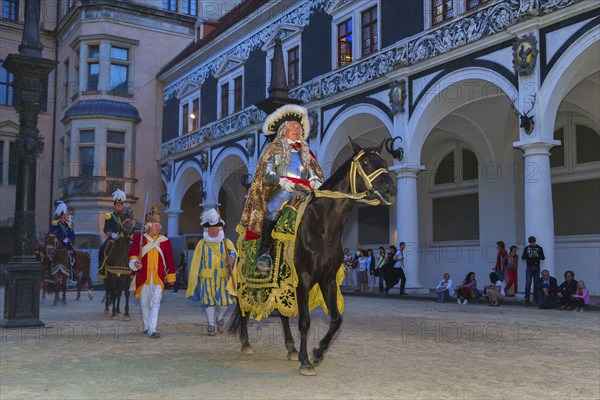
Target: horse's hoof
x,y
91,297
77,298
64,302
307,371
114,316
313,360
292,356
126,318
55,303
247,350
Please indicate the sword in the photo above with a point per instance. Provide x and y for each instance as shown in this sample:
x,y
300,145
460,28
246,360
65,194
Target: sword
x,y
143,226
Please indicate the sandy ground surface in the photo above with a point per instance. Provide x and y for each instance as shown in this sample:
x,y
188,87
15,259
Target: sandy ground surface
x,y
386,348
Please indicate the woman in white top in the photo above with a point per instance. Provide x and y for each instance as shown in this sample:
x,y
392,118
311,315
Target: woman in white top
x,y
495,290
363,272
444,288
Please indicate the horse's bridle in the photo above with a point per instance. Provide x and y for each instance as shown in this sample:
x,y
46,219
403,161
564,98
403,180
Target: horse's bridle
x,y
357,169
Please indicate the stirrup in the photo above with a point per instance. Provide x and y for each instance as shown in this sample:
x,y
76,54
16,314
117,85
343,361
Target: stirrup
x,y
264,263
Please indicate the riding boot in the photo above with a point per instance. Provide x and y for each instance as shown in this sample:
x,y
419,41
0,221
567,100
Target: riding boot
x,y
265,262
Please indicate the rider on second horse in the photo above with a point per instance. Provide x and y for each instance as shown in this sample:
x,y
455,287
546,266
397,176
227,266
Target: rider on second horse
x,y
63,230
113,227
285,162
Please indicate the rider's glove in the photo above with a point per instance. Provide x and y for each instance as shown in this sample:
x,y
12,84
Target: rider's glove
x,y
66,240
287,184
113,235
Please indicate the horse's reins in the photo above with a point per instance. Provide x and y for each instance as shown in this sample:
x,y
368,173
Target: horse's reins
x,y
356,169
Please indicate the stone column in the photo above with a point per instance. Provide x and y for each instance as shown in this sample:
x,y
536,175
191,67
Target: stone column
x,y
173,222
539,216
407,222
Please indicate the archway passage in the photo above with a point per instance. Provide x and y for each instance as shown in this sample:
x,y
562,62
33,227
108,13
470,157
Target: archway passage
x,y
575,170
368,126
468,197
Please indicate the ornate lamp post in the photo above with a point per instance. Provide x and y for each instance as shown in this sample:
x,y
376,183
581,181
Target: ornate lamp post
x,y
21,299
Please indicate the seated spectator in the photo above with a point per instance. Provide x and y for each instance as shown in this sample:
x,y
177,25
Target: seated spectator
x,y
547,289
444,288
566,290
467,290
581,297
495,290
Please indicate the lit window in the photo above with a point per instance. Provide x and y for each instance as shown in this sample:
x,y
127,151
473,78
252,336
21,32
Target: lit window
x,y
369,31
345,43
441,10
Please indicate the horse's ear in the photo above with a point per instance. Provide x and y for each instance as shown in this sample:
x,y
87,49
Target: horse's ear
x,y
355,147
380,147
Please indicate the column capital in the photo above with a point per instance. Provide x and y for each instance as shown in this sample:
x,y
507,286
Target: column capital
x,y
407,170
536,147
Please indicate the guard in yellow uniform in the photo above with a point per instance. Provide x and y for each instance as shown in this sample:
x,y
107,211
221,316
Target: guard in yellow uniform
x,y
211,268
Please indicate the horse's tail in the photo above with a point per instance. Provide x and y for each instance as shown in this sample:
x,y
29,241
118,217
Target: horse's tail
x,y
235,322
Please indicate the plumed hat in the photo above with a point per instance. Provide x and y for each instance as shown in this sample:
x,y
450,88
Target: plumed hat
x,y
61,208
153,215
289,112
119,196
210,218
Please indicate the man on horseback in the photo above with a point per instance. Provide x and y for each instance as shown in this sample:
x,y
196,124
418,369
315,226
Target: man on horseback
x,y
63,230
284,162
112,228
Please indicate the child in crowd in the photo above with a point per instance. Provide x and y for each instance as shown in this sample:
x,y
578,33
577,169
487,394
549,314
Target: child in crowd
x,y
581,297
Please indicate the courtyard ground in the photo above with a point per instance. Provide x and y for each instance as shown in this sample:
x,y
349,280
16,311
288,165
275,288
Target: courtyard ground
x,y
387,348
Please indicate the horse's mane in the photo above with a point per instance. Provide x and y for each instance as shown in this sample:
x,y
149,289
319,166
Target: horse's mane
x,y
338,176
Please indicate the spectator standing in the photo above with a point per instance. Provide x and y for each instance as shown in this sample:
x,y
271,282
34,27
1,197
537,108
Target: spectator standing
x,y
371,268
495,290
396,274
467,290
380,268
533,254
581,297
547,289
444,288
348,262
501,259
512,263
363,272
566,290
180,277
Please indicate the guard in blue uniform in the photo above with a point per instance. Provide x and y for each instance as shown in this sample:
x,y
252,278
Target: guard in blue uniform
x,y
113,227
63,230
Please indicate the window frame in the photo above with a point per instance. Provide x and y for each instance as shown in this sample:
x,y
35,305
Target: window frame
x,y
120,146
123,63
189,4
171,5
8,147
354,11
89,61
572,170
16,9
480,3
10,83
227,80
86,145
369,26
187,100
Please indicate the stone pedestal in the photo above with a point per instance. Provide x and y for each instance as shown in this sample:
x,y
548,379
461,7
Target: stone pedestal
x,y
22,294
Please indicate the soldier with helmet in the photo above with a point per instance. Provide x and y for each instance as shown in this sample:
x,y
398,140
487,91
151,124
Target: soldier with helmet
x,y
112,227
63,229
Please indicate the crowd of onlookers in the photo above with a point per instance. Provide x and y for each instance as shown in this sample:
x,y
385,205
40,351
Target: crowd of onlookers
x,y
365,271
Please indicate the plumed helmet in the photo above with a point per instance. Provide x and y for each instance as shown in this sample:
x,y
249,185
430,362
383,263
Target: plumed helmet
x,y
119,196
61,208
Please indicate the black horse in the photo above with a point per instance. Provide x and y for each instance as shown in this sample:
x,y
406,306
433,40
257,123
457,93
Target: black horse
x,y
118,274
319,254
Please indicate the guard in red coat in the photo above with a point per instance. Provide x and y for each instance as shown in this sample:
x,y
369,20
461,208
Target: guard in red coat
x,y
156,265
